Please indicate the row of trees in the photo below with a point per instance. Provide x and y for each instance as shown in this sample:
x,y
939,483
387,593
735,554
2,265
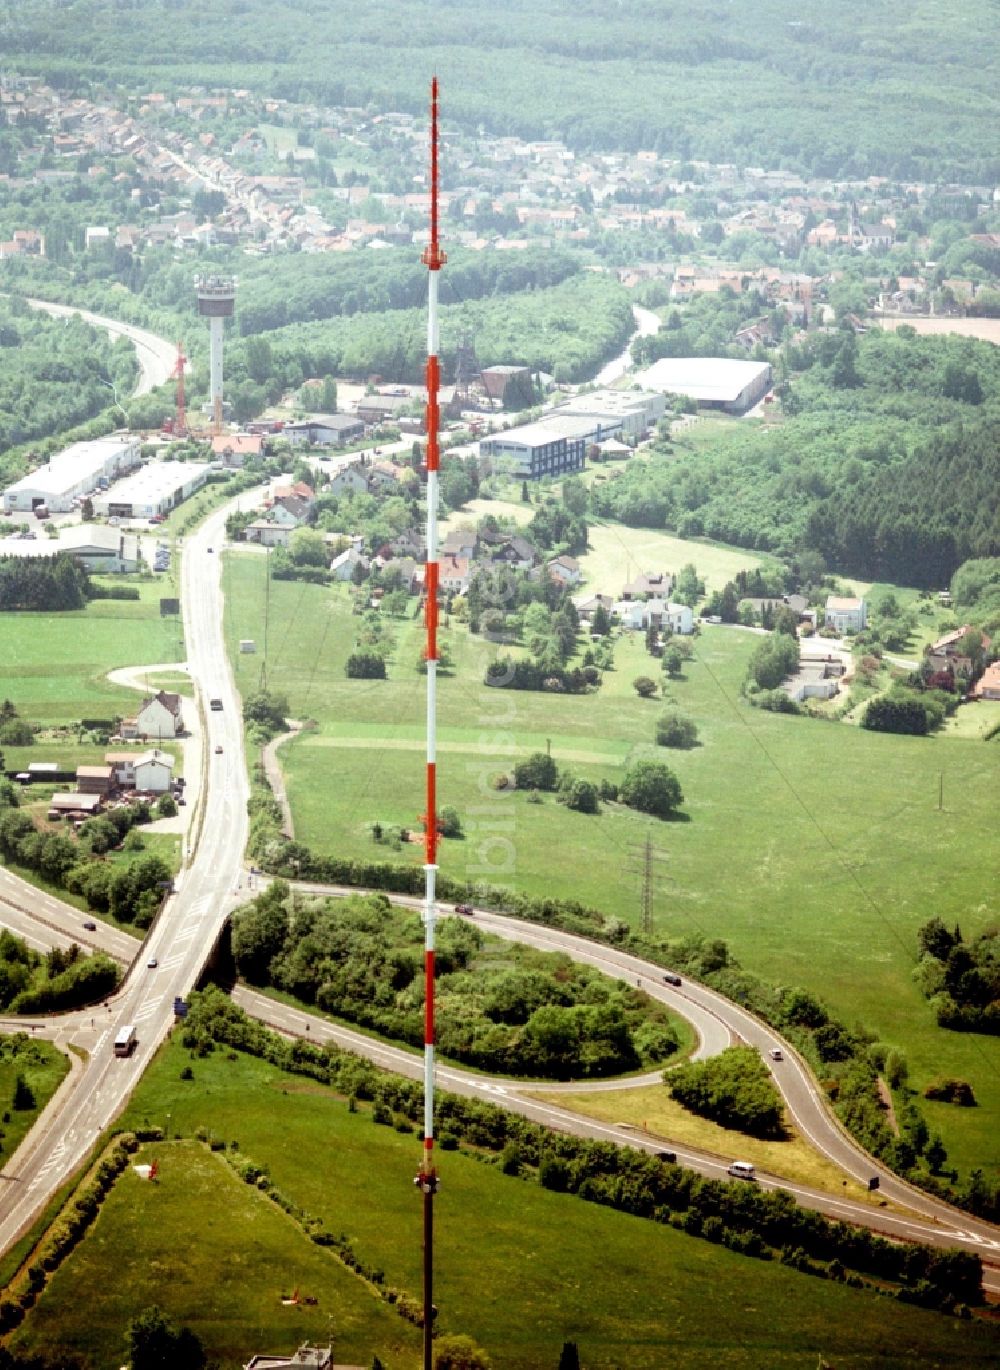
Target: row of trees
x,y
746,1218
131,892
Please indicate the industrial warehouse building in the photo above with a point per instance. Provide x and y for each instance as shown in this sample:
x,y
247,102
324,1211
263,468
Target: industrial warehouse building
x,y
107,551
72,474
550,447
159,487
624,413
714,382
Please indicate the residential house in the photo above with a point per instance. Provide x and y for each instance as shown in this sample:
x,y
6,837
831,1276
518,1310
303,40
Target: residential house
x,y
514,551
460,542
300,490
566,570
269,533
649,585
290,511
454,575
411,574
845,613
587,605
383,476
159,716
154,771
234,448
640,614
988,686
350,479
948,653
122,767
342,566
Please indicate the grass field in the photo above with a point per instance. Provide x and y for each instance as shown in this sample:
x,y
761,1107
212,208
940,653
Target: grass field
x,y
618,554
815,850
43,1067
518,1268
55,665
650,1108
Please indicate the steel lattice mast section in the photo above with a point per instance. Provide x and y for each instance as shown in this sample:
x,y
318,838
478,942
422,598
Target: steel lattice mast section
x,y
427,1179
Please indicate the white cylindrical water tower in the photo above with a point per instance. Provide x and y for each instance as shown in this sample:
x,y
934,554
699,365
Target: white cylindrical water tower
x,y
216,302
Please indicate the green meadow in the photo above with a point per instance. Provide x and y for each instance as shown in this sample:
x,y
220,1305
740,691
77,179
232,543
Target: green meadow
x,y
518,1268
815,850
54,665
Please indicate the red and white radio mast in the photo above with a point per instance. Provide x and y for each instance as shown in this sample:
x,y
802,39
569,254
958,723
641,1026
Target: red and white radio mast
x,y
427,1179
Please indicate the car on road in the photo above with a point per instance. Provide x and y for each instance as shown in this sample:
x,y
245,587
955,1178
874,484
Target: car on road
x,y
152,963
467,909
671,979
669,1157
211,549
776,1054
90,926
218,751
742,1170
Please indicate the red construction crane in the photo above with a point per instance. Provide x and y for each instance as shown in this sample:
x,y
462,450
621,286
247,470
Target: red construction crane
x,y
180,421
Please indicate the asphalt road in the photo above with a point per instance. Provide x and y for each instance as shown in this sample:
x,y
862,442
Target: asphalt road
x,y
184,935
156,356
209,887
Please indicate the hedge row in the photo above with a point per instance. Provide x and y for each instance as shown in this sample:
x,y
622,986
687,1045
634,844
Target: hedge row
x,y
767,1224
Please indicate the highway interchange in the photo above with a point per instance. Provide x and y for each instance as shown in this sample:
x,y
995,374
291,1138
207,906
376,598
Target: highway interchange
x,y
210,886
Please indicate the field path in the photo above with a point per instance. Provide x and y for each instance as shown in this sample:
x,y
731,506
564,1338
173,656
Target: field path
x,y
417,744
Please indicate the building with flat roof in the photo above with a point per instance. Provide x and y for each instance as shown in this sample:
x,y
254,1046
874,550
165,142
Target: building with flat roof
x,y
325,430
72,474
554,446
107,551
155,489
714,382
628,413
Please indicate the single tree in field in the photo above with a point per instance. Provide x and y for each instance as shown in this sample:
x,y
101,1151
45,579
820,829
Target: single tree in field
x,y
651,787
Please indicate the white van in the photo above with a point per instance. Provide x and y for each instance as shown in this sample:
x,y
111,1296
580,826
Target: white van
x,y
742,1170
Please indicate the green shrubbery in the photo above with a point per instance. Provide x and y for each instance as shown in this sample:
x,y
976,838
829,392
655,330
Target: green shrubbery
x,y
743,1217
361,959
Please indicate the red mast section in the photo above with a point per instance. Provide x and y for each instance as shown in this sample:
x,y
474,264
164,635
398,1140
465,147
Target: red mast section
x,y
427,1180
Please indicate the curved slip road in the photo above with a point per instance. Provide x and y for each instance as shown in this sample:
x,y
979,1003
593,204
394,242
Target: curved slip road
x,y
156,355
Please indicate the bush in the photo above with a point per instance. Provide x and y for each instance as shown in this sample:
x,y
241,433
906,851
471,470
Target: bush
x,y
365,666
538,772
674,730
166,806
652,788
951,1092
644,686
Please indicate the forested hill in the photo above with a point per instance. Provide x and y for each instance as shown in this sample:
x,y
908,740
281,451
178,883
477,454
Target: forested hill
x,y
903,88
889,464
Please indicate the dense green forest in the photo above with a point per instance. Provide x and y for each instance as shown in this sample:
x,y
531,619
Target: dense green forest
x,y
567,330
888,463
903,88
54,372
